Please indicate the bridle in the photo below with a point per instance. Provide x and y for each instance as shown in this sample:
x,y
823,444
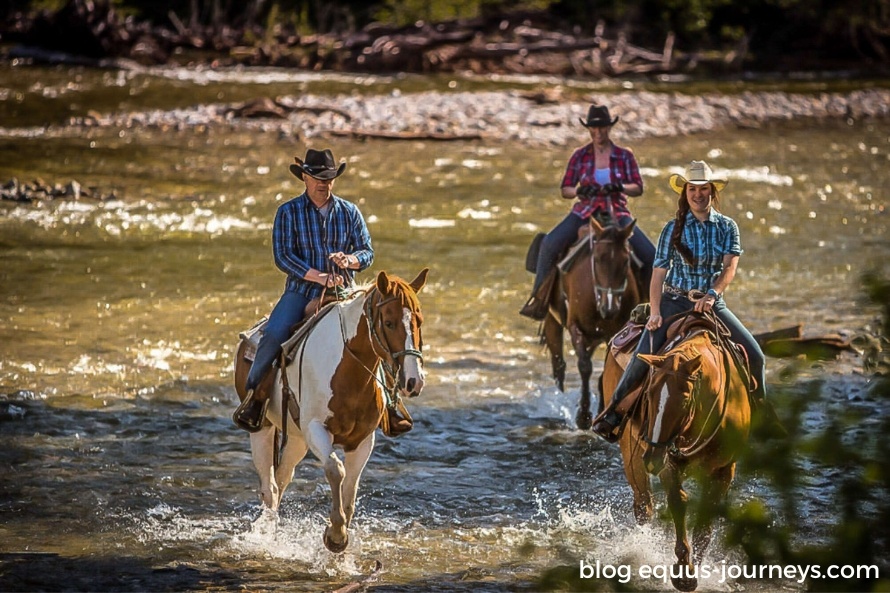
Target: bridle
x,y
372,313
603,292
676,452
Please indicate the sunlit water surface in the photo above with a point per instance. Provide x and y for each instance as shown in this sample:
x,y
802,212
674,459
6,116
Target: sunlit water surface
x,y
118,320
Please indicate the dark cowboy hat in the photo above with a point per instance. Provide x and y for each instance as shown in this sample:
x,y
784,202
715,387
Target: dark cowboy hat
x,y
598,117
318,164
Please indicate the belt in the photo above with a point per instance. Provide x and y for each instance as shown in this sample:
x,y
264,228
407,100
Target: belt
x,y
692,295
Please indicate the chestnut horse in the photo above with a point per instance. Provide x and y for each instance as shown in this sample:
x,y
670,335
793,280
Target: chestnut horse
x,y
599,290
693,418
367,344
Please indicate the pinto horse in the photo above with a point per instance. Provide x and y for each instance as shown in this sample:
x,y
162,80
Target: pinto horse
x,y
693,418
367,344
599,291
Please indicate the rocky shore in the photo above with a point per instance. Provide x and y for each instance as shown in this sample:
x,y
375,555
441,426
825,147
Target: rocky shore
x,y
497,116
515,116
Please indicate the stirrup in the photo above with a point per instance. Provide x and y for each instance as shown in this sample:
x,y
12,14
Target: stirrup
x,y
607,426
393,424
251,413
535,308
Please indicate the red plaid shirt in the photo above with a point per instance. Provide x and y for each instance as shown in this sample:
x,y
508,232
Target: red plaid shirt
x,y
581,169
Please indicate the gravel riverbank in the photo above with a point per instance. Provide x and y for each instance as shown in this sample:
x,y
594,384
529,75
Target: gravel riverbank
x,y
512,116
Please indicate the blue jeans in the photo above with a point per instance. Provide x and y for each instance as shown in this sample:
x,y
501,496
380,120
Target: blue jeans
x,y
289,311
673,304
565,234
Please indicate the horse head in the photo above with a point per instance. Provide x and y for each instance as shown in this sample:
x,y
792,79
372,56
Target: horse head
x,y
671,394
610,265
395,320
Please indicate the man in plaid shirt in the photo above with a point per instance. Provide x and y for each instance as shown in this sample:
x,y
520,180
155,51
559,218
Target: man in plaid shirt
x,y
319,240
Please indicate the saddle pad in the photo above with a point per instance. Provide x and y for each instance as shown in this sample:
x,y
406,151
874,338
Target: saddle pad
x,y
575,251
303,329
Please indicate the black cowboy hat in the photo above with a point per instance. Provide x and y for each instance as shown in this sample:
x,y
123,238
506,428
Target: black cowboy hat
x,y
598,117
318,164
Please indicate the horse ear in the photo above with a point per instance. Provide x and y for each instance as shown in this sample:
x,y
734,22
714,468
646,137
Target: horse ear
x,y
418,282
692,366
651,359
626,231
383,282
596,227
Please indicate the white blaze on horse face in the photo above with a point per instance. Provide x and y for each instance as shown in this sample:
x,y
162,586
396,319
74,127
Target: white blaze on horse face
x,y
659,416
411,366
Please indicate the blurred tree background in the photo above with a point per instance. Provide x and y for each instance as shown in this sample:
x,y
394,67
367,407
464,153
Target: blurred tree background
x,y
829,33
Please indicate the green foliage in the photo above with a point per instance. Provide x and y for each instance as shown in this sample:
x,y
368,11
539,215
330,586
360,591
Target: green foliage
x,y
853,448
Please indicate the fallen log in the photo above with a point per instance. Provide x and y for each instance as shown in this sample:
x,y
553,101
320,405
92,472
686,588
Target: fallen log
x,y
362,134
789,341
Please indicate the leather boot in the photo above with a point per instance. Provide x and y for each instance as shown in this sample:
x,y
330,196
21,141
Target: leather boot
x,y
610,420
397,424
766,421
537,306
251,413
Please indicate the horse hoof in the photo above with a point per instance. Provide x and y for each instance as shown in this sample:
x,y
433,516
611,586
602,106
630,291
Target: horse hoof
x,y
584,419
684,584
333,546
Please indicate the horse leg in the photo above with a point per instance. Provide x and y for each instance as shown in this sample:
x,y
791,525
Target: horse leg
x,y
636,474
584,352
355,465
262,448
713,493
321,442
681,576
551,330
293,453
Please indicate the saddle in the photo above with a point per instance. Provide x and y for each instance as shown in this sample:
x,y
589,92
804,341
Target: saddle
x,y
681,326
249,341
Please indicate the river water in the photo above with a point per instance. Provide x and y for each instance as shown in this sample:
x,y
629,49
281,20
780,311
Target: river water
x,y
118,317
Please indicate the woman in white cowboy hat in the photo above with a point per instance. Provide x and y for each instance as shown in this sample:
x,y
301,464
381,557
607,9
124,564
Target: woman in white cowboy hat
x,y
601,175
697,251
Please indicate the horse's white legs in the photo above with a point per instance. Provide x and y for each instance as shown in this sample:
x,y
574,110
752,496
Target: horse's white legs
x,y
355,465
262,445
322,445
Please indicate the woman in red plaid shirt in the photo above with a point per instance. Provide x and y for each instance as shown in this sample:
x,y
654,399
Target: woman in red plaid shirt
x,y
601,175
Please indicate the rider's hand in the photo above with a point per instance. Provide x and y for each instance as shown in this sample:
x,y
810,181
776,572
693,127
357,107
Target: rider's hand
x,y
343,260
588,190
653,323
705,303
613,188
325,280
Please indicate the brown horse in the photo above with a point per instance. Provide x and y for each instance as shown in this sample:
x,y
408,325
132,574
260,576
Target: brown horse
x,y
599,290
693,417
369,344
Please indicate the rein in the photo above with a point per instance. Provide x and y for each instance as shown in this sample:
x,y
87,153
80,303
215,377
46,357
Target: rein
x,y
390,381
601,291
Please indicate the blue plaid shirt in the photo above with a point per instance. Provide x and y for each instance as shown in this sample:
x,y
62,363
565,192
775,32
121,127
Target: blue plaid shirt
x,y
709,241
302,240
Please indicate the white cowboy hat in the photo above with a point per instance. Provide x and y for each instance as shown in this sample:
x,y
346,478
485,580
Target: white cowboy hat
x,y
697,173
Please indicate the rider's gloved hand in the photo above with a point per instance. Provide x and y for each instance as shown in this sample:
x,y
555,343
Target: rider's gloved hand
x,y
613,188
588,190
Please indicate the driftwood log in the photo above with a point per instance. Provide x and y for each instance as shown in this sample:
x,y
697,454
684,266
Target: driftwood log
x,y
87,32
788,342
